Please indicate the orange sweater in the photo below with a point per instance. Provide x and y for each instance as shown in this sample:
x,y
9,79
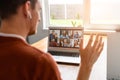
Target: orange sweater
x,y
20,61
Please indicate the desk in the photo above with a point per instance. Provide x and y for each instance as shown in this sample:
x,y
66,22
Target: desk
x,y
69,72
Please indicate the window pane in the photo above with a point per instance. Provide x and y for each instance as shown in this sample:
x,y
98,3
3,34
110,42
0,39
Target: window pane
x,y
105,12
57,11
66,12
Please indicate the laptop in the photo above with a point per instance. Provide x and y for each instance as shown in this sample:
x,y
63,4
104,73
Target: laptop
x,y
63,44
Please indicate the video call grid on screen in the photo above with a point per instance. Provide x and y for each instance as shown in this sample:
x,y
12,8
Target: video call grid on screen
x,y
65,37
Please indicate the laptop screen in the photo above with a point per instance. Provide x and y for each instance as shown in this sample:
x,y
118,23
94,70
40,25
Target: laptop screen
x,y
64,38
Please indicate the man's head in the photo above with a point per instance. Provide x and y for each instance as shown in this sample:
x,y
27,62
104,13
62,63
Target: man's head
x,y
53,32
76,32
27,10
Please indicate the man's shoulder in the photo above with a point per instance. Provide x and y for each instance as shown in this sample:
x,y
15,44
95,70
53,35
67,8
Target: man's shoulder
x,y
38,54
43,58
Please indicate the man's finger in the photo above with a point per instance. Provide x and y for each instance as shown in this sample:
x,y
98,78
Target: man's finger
x,y
81,43
96,41
99,44
90,41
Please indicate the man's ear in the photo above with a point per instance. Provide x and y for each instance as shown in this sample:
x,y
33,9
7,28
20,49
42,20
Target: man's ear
x,y
27,9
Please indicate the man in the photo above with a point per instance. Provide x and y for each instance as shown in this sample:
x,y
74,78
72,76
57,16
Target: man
x,y
19,60
76,35
0,22
52,35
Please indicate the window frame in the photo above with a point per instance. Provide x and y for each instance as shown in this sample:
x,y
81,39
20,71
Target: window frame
x,y
45,14
90,26
86,18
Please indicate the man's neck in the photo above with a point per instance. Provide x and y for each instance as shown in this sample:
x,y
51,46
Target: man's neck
x,y
13,27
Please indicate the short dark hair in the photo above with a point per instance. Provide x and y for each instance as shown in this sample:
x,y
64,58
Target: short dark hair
x,y
9,7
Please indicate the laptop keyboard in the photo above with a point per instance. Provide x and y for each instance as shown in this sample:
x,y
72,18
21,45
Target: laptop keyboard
x,y
67,54
66,57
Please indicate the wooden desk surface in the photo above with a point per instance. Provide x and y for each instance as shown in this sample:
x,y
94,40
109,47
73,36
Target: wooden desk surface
x,y
42,44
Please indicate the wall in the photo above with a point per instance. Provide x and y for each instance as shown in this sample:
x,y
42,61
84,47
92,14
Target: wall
x,y
113,56
40,34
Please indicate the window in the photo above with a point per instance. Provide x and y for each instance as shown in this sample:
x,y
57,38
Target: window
x,y
105,11
104,14
65,12
92,14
